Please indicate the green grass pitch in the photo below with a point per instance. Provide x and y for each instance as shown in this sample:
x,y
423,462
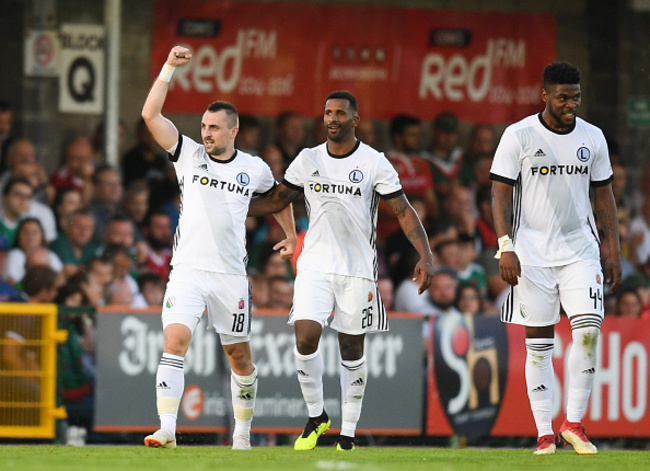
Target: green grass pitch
x,y
214,458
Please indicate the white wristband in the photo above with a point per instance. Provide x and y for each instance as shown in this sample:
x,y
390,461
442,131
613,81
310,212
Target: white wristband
x,y
166,73
505,245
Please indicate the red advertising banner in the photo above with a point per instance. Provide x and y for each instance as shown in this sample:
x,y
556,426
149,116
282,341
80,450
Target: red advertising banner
x,y
477,385
268,58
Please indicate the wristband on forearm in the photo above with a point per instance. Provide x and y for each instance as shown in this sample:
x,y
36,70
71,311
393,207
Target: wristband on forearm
x,y
166,73
505,245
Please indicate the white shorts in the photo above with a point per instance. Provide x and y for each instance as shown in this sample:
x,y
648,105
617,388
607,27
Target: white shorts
x,y
536,300
227,298
355,302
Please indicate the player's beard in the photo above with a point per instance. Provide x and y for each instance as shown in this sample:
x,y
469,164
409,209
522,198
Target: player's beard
x,y
216,151
558,118
344,131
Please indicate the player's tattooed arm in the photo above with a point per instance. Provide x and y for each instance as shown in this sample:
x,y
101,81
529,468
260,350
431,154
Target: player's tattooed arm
x,y
412,227
502,207
605,207
273,202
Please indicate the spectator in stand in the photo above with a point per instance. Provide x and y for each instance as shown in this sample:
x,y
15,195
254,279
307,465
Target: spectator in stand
x,y
259,290
7,291
148,163
468,299
77,168
66,201
480,177
446,156
121,231
482,141
101,269
75,246
107,185
136,206
16,200
640,236
20,150
280,293
29,236
467,269
248,137
152,288
459,208
365,132
124,288
158,236
628,303
35,173
414,172
290,135
91,287
485,233
441,294
318,131
272,155
271,263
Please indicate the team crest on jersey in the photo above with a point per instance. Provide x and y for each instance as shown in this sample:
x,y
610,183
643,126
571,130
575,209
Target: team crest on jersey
x,y
243,179
598,280
583,154
170,302
356,176
241,304
370,296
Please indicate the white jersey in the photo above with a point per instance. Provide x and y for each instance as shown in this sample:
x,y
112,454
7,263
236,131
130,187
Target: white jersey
x,y
551,172
341,195
215,195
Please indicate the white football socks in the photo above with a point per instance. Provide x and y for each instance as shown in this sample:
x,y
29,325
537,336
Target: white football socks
x,y
582,364
170,383
310,376
539,382
354,375
244,390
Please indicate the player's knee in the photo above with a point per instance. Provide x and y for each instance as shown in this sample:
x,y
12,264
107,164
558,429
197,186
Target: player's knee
x,y
586,338
306,345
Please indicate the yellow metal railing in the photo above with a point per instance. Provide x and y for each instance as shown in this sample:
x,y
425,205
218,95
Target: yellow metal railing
x,y
28,367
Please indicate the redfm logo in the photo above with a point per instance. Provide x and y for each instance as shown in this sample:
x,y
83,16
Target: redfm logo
x,y
470,365
192,402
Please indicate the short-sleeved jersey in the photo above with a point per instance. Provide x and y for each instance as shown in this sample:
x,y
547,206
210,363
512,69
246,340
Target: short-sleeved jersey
x,y
341,196
215,196
551,173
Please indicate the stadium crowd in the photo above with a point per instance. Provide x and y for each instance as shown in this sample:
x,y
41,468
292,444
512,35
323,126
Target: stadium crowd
x,y
89,234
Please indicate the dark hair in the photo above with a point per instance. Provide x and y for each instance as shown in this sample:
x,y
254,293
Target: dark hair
x,y
153,213
561,73
22,223
464,286
5,106
38,278
13,182
229,108
400,122
60,195
344,95
103,168
284,117
150,278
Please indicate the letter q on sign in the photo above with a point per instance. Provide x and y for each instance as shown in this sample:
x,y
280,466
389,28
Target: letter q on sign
x,y
81,80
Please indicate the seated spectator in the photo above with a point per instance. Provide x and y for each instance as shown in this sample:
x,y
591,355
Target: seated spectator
x,y
77,168
290,135
29,236
16,199
75,247
66,201
259,290
35,174
628,303
91,287
148,163
152,288
386,290
280,293
446,156
468,299
122,269
365,132
248,137
158,237
272,155
136,206
101,269
108,190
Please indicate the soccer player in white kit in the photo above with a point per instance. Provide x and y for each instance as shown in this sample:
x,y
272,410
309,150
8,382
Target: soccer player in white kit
x,y
549,248
342,181
209,260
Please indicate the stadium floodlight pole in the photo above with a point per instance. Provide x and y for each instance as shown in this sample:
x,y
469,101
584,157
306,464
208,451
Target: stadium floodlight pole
x,y
112,14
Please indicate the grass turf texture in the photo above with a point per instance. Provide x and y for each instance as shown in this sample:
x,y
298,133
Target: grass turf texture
x,y
190,458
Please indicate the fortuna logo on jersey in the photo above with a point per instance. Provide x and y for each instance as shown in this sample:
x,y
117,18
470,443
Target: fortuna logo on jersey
x,y
335,188
243,179
560,170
